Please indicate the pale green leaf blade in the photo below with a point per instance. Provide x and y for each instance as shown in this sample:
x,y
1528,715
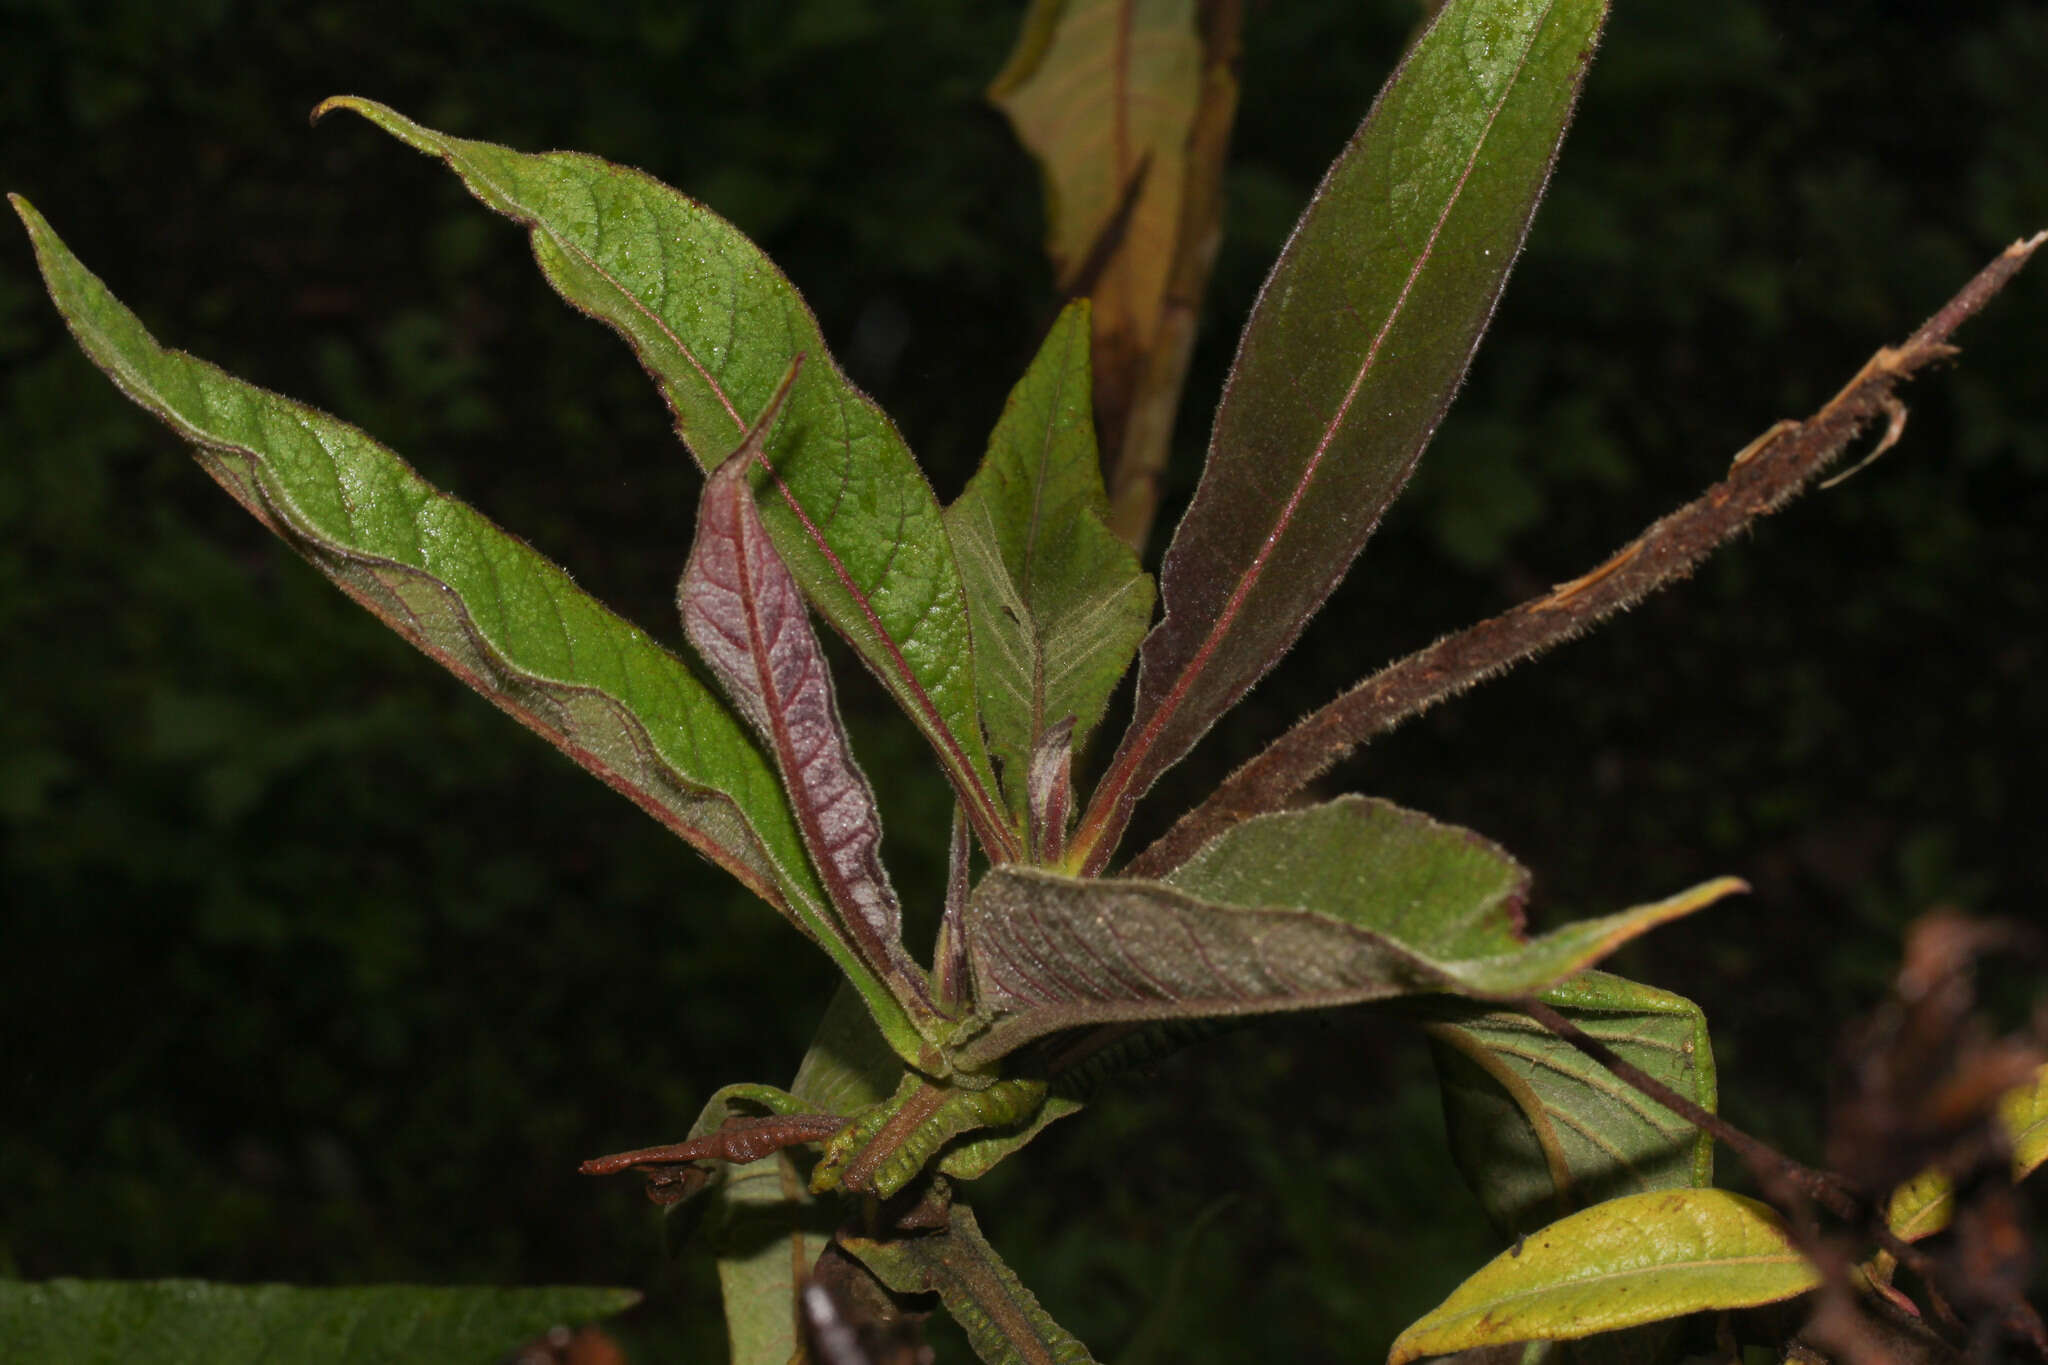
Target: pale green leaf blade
x,y
1002,1319
1059,604
480,602
1335,905
1638,1259
764,1226
717,325
767,1232
1540,1130
192,1322
1359,339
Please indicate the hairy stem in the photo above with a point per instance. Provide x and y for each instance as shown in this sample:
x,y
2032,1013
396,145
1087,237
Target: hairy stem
x,y
1763,477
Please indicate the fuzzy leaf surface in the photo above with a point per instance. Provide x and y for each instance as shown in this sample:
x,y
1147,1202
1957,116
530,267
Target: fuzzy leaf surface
x,y
192,1322
747,618
1059,604
1638,1259
1353,901
480,602
1358,340
1002,1319
717,325
1540,1130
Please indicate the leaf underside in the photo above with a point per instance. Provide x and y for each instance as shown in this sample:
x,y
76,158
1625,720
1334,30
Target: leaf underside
x,y
477,600
1340,904
191,1322
716,325
1638,1259
1540,1130
1059,604
1359,338
746,616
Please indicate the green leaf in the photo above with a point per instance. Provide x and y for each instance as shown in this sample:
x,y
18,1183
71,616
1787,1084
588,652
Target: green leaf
x,y
1059,604
1358,341
886,1147
1339,904
717,325
480,602
1924,1205
1641,1258
1001,1317
170,1322
1539,1129
765,1227
767,1232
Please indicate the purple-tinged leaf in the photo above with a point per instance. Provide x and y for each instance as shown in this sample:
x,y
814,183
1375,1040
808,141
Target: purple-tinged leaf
x,y
1050,793
747,617
715,324
1335,905
1347,365
481,603
949,959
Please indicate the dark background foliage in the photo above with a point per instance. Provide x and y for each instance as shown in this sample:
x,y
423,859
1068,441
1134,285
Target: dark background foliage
x,y
314,967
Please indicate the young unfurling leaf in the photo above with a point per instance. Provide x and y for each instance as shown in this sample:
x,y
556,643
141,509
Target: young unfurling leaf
x,y
747,617
1059,603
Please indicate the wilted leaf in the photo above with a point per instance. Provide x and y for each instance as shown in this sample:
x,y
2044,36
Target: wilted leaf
x,y
1001,1317
745,615
1641,1258
1539,1129
191,1322
1353,901
1103,92
481,603
1059,604
1356,345
717,325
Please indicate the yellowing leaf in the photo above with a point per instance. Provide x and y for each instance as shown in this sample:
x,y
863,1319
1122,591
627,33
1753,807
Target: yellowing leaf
x,y
1923,1205
1102,92
1638,1259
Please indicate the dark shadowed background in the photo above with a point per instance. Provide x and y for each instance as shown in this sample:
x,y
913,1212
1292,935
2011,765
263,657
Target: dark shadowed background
x,y
315,967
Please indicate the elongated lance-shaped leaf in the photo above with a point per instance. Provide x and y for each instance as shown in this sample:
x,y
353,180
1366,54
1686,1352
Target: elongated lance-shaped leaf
x,y
192,1322
1002,1319
1335,905
746,616
1539,1129
1352,353
1641,1258
1059,604
716,324
480,602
